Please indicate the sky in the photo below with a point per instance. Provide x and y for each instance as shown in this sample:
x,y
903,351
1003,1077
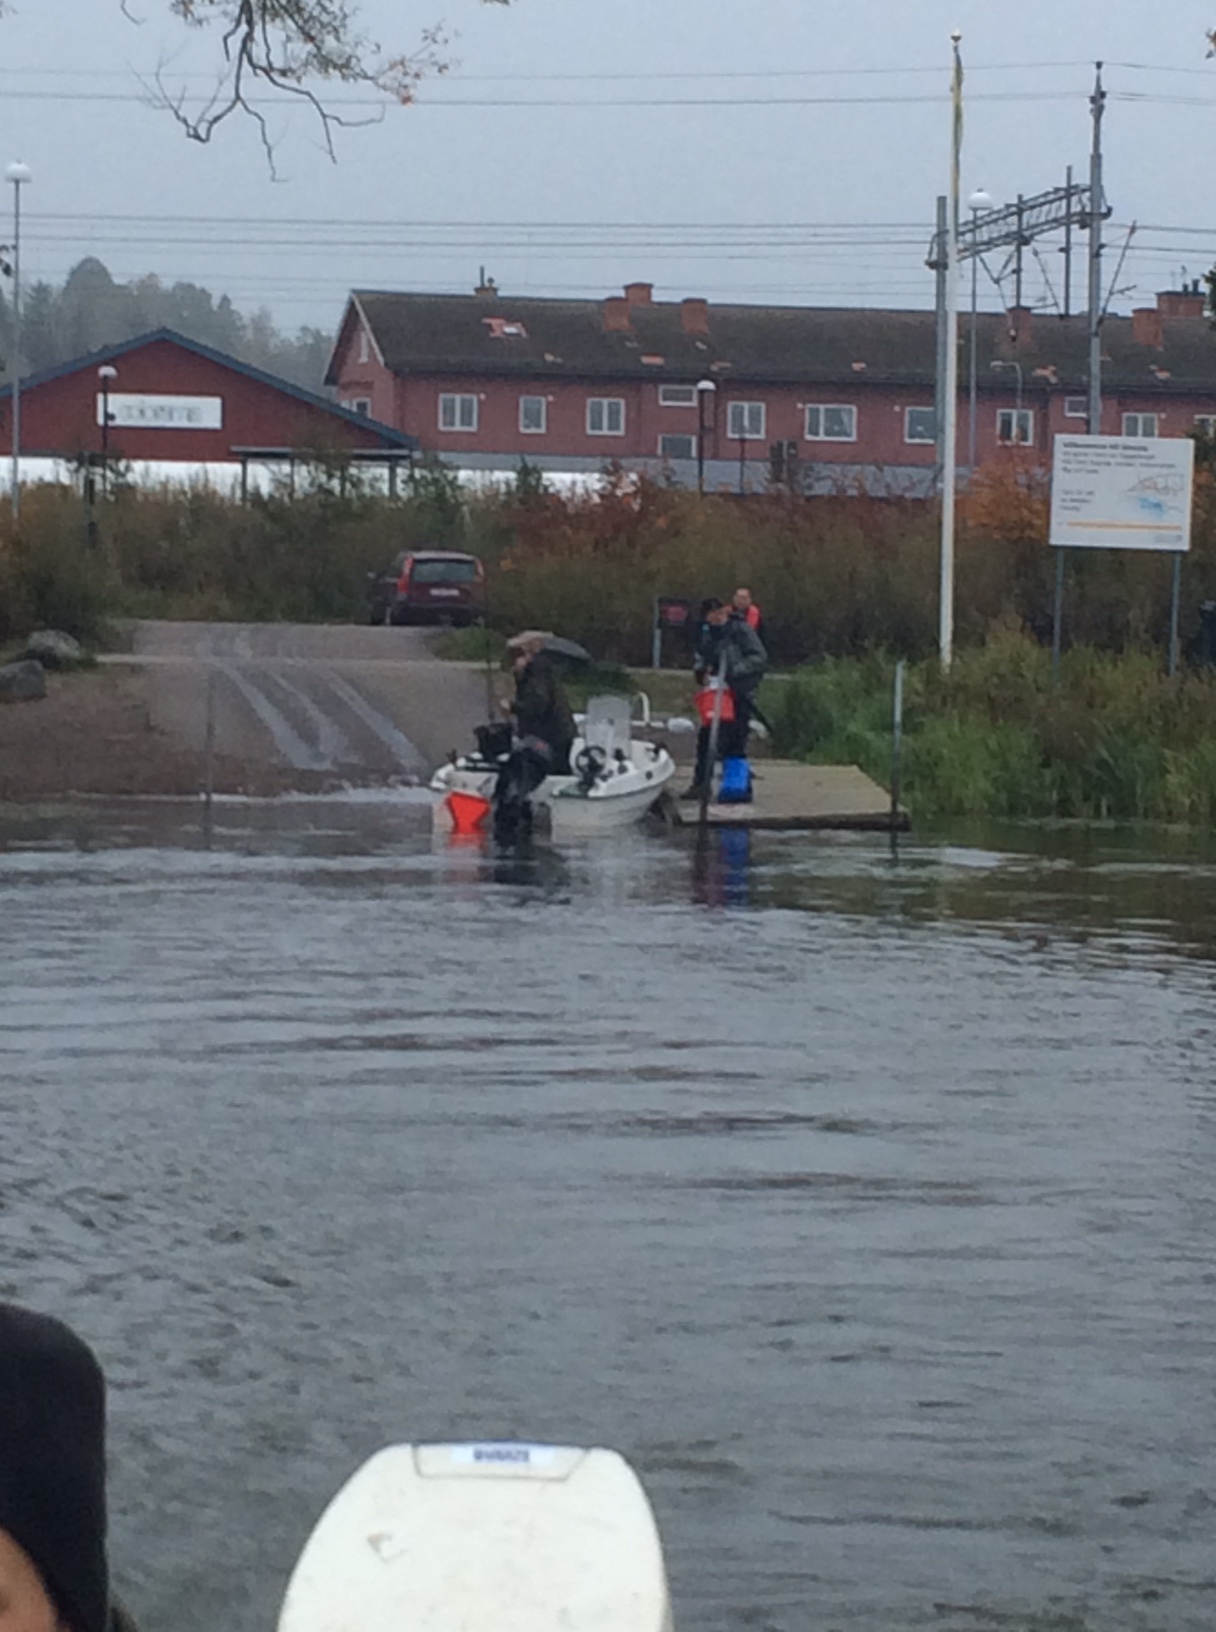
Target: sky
x,y
773,151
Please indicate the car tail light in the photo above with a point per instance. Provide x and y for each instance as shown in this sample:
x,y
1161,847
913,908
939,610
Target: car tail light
x,y
403,583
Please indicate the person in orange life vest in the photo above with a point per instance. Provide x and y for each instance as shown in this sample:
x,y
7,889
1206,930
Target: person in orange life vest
x,y
742,606
725,636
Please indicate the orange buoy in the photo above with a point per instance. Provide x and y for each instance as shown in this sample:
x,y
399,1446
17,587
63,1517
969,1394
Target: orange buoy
x,y
467,810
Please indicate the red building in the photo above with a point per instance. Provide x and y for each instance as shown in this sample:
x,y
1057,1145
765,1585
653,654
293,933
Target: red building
x,y
170,400
487,380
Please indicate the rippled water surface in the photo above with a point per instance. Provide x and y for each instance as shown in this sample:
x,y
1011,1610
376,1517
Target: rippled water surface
x,y
866,1205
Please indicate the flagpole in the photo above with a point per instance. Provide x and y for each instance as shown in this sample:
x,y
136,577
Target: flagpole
x,y
950,393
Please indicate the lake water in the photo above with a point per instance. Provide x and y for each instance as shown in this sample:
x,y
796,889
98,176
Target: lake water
x,y
867,1205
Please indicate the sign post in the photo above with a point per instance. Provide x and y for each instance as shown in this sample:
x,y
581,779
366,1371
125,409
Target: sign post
x,y
1122,493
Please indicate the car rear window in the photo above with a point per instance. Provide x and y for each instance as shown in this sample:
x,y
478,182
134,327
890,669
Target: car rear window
x,y
463,571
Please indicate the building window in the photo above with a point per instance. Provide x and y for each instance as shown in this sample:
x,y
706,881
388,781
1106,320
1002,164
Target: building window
x,y
1015,425
1205,424
361,405
605,416
677,396
457,412
1139,424
677,447
745,421
1076,408
920,425
534,415
830,422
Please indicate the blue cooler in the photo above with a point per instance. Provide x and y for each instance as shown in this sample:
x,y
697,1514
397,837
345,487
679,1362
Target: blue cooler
x,y
736,788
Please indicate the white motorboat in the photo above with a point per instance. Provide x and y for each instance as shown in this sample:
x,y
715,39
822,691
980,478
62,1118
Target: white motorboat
x,y
496,1537
615,779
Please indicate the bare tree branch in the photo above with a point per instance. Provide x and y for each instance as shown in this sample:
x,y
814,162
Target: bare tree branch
x,y
293,47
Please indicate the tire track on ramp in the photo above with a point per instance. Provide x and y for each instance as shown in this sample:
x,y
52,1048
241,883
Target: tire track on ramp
x,y
395,740
299,754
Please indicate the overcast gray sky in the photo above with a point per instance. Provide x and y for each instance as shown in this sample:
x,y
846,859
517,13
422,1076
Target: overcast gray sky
x,y
769,150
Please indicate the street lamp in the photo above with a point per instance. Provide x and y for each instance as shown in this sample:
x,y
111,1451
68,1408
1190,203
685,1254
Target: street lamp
x,y
977,204
18,174
105,374
999,363
705,393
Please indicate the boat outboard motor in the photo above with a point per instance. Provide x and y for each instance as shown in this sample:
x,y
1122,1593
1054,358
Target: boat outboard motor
x,y
493,740
483,1538
521,773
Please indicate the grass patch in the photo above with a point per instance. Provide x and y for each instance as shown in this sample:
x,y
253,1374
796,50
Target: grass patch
x,y
1115,739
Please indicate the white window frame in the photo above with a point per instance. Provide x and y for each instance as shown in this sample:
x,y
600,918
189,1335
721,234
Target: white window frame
x,y
1140,420
601,408
823,408
361,406
683,436
534,430
453,404
1018,419
677,396
1205,424
919,441
745,421
1076,407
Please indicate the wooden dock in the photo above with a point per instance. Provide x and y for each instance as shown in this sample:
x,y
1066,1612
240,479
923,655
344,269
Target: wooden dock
x,y
789,796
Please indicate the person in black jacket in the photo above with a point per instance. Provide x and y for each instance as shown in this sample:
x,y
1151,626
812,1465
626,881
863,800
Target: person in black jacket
x,y
544,729
53,1571
727,644
540,709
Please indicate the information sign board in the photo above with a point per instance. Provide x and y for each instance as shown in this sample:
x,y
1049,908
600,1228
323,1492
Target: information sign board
x,y
1122,493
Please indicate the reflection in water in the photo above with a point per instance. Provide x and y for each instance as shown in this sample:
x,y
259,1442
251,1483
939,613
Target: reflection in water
x,y
721,867
873,1221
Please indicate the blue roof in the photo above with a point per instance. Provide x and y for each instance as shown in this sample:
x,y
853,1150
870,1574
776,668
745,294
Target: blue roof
x,y
372,427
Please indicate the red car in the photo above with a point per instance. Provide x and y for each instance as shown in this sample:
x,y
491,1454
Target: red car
x,y
430,586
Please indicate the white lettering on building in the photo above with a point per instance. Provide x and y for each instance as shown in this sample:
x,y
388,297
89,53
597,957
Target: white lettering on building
x,y
161,413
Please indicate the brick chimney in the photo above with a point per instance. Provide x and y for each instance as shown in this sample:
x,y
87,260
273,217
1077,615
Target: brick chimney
x,y
694,316
639,294
616,315
1181,302
1146,326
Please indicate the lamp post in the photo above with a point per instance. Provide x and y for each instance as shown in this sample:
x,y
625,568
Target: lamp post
x,y
18,174
105,374
999,363
977,204
705,393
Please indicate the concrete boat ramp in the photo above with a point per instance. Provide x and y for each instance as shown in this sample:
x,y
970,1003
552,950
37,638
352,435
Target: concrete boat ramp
x,y
788,796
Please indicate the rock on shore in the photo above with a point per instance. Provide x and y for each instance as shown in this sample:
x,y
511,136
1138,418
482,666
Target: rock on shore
x,y
22,682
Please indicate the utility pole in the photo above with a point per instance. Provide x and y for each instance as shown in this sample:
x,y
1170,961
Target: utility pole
x,y
1068,248
950,429
939,264
1096,212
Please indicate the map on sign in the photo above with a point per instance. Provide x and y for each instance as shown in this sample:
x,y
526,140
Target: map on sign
x,y
1122,493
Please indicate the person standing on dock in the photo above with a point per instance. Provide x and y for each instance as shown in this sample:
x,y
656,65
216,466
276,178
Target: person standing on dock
x,y
744,607
730,646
